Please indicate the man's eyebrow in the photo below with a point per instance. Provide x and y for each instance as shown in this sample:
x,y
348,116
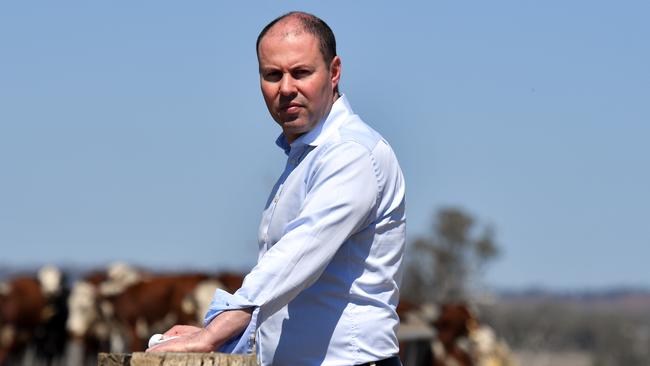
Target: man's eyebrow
x,y
301,66
268,68
293,67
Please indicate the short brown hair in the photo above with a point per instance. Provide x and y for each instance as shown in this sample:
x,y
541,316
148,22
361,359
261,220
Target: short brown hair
x,y
312,25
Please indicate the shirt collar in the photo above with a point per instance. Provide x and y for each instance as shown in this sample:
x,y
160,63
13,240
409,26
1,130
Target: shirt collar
x,y
318,134
281,141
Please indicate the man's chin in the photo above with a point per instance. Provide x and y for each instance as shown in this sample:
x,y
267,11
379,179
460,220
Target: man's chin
x,y
288,118
292,124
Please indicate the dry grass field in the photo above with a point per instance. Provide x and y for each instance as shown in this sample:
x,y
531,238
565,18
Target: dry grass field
x,y
532,358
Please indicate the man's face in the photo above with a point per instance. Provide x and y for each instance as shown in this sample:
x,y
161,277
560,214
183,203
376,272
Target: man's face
x,y
297,85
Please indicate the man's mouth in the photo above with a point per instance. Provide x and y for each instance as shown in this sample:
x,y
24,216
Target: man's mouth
x,y
291,108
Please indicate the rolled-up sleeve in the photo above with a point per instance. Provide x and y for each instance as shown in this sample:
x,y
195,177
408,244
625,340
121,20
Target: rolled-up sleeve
x,y
223,301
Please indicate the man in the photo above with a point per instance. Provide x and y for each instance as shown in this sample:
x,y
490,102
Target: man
x,y
325,288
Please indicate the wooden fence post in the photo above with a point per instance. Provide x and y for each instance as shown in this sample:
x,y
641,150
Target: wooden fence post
x,y
174,359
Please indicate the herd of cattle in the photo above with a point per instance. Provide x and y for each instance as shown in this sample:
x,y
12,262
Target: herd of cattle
x,y
46,321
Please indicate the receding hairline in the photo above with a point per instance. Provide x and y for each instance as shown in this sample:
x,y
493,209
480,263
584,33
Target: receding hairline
x,y
290,25
297,23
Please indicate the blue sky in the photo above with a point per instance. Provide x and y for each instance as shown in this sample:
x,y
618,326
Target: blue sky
x,y
137,131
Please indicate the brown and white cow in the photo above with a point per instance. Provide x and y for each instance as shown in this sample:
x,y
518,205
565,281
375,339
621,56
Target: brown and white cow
x,y
436,335
155,304
33,310
119,309
88,329
450,346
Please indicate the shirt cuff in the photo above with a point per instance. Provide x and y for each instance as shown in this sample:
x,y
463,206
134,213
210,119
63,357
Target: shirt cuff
x,y
243,343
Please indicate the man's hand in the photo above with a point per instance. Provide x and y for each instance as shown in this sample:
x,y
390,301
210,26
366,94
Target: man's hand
x,y
194,339
190,339
181,330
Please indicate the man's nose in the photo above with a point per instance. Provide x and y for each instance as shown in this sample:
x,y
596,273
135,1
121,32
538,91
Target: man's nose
x,y
287,85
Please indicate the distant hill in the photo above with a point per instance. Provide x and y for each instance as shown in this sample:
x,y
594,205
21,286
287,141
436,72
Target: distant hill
x,y
625,299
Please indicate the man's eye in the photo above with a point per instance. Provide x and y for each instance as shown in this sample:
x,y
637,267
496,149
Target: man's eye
x,y
301,73
272,76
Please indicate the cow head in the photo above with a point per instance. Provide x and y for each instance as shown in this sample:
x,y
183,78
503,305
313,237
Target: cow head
x,y
50,279
82,304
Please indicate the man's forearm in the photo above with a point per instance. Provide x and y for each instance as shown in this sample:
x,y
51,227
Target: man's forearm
x,y
228,324
223,327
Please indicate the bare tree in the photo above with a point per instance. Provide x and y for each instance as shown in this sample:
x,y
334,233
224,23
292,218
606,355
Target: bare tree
x,y
443,266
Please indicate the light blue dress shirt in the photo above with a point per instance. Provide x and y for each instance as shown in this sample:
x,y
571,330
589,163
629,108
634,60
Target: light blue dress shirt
x,y
331,243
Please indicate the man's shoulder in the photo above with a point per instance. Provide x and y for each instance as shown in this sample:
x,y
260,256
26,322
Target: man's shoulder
x,y
355,130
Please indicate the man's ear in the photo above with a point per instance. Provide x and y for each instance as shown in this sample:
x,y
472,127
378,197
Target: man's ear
x,y
335,71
